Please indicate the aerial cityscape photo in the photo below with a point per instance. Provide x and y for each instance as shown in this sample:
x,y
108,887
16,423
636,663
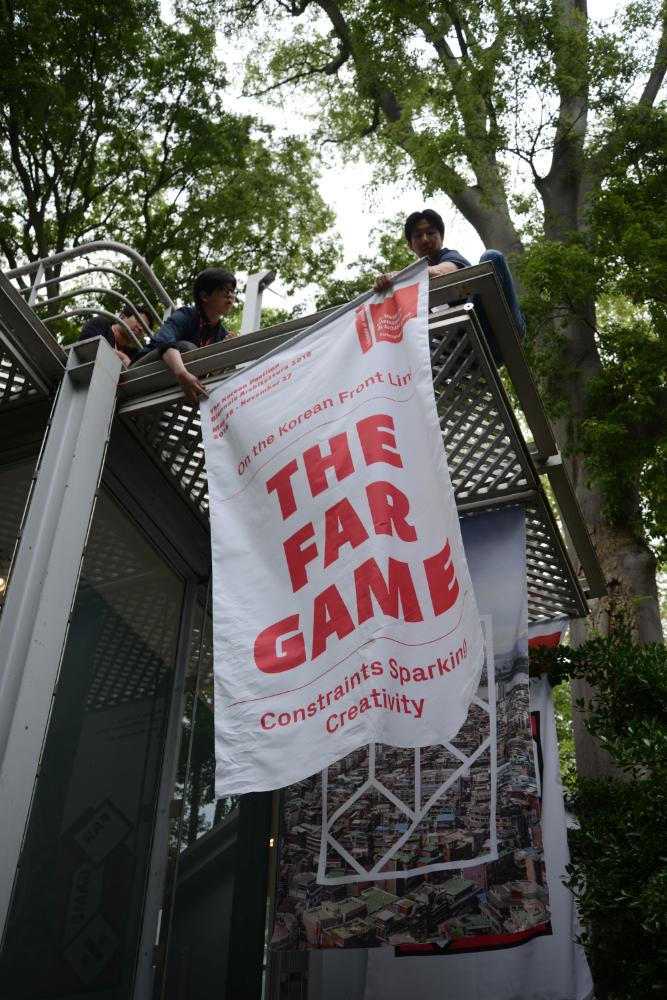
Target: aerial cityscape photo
x,y
421,846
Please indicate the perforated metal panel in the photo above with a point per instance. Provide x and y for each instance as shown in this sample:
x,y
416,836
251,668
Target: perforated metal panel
x,y
14,382
489,461
552,587
484,449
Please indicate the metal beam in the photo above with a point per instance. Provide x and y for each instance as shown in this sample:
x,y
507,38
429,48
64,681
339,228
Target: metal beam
x,y
252,307
41,591
28,342
481,280
575,526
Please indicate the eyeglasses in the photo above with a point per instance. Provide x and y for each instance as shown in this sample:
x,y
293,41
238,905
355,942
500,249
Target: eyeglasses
x,y
228,290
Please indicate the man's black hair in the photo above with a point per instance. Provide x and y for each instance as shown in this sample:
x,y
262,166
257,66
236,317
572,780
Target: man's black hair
x,y
142,311
430,216
210,279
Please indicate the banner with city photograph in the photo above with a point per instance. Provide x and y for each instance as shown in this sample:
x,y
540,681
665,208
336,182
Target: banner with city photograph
x,y
436,850
546,967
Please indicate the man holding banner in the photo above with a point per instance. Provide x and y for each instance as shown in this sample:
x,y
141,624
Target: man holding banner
x,y
425,233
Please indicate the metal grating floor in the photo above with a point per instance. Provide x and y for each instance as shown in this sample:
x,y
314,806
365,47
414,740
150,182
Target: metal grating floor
x,y
14,382
483,449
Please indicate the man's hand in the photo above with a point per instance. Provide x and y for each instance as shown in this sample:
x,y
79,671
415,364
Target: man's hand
x,y
384,281
123,357
189,383
192,388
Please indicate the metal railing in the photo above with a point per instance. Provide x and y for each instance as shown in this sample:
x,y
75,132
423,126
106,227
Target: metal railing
x,y
48,274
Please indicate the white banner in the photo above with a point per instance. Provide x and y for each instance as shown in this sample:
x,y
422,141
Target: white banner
x,y
342,605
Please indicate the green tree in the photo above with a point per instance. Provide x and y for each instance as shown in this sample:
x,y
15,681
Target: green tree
x,y
462,96
618,870
114,125
389,252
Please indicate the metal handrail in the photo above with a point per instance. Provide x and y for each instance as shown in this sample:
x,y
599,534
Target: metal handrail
x,y
85,248
97,311
101,269
104,291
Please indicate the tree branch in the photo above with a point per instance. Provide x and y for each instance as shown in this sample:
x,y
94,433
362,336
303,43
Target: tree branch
x,y
657,74
328,69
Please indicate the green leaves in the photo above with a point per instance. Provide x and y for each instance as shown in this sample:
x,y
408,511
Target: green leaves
x,y
389,252
618,869
113,125
629,712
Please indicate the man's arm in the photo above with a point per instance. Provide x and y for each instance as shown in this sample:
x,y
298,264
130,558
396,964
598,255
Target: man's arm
x,y
446,267
175,328
125,359
97,326
385,281
189,383
453,261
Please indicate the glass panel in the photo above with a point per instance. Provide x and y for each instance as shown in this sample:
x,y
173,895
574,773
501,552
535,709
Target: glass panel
x,y
76,913
201,811
198,896
15,480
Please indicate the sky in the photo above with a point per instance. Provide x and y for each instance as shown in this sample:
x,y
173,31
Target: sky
x,y
359,205
347,187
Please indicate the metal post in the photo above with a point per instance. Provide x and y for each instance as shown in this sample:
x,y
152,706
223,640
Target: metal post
x,y
41,591
143,984
34,290
251,872
252,307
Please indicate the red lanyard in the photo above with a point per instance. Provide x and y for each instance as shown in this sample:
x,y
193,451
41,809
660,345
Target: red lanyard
x,y
209,339
202,342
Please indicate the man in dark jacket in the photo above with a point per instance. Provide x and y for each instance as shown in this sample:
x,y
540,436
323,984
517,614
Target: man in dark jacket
x,y
195,326
118,334
425,233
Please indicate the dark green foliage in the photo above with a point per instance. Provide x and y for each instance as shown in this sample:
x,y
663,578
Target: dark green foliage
x,y
619,875
388,252
618,870
115,125
619,260
625,430
562,700
271,315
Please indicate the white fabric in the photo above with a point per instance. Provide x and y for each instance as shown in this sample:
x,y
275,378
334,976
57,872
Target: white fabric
x,y
342,605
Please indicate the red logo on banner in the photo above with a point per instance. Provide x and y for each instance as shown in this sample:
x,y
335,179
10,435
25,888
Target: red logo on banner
x,y
363,329
389,317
